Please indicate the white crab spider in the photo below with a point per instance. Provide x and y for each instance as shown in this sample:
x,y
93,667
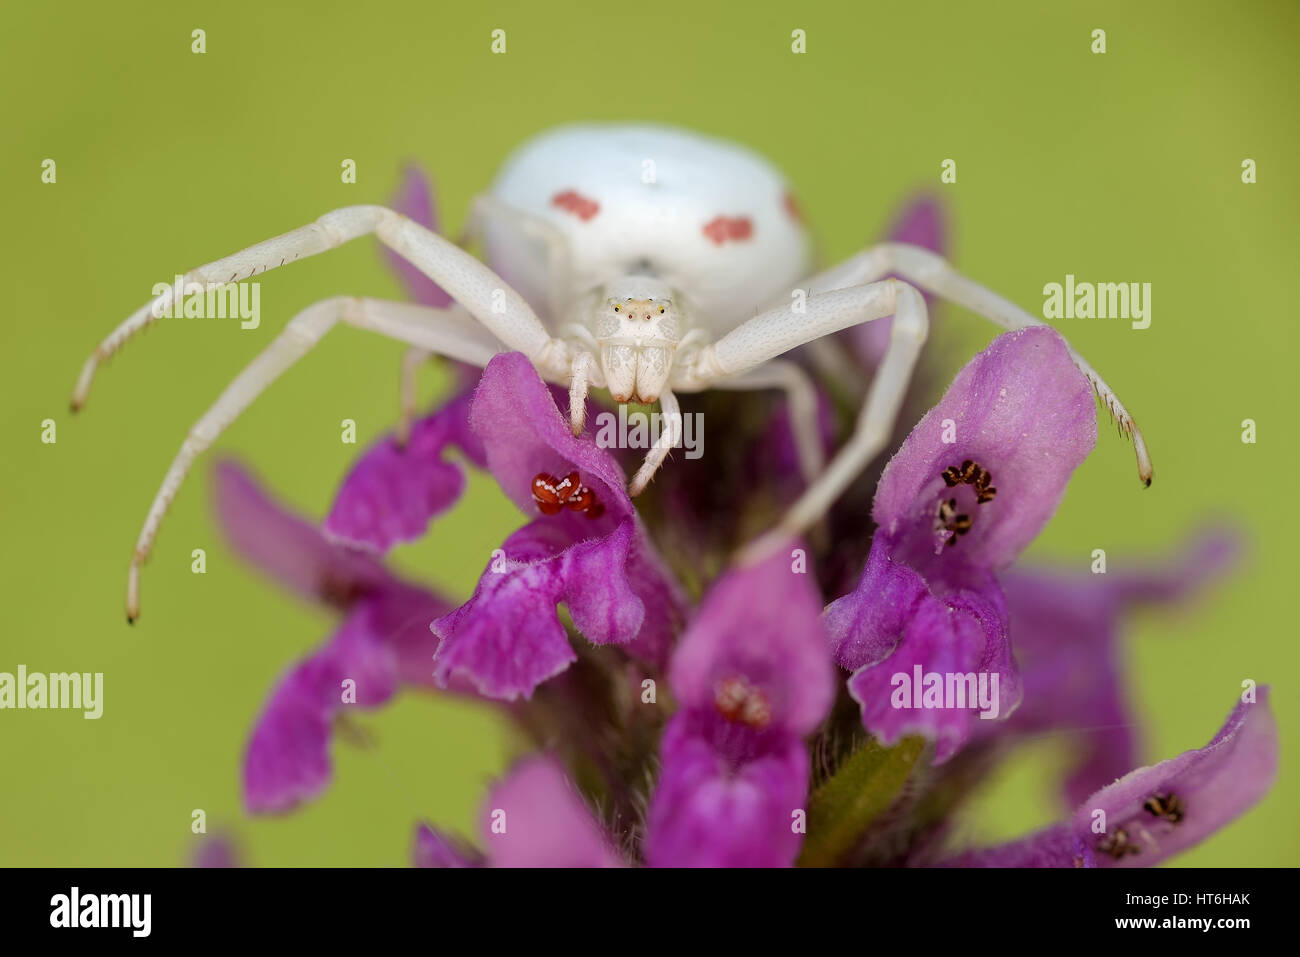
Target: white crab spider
x,y
642,259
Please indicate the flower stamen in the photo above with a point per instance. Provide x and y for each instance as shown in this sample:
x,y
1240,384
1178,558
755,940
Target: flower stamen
x,y
1166,807
968,473
1117,845
738,700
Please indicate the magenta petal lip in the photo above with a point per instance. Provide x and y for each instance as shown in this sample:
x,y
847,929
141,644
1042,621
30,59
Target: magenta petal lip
x,y
753,676
1152,813
382,642
973,483
507,639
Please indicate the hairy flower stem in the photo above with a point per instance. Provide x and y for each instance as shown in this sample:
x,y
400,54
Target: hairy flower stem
x,y
861,789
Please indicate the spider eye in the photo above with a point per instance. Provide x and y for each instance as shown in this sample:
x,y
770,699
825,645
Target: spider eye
x,y
661,310
616,309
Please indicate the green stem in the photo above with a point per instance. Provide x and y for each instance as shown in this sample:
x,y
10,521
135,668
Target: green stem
x,y
855,795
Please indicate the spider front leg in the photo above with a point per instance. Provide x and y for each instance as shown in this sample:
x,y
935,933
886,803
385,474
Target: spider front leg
x,y
460,333
667,441
801,403
579,385
508,320
772,333
482,293
396,320
935,275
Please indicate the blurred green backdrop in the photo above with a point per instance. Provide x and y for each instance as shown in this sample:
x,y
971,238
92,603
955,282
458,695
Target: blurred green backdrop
x,y
1122,166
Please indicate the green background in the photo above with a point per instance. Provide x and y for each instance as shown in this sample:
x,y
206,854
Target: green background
x,y
1115,167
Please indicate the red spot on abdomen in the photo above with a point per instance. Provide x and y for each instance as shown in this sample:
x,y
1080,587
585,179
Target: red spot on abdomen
x,y
792,207
722,229
574,202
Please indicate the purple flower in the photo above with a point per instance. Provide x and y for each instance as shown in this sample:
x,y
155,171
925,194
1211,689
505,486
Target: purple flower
x,y
1066,630
926,628
393,491
433,848
1155,812
748,745
216,851
415,199
533,818
919,222
598,561
382,642
752,678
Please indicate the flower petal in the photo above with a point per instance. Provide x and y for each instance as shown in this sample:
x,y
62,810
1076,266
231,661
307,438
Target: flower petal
x,y
708,812
217,851
523,433
290,549
384,641
507,638
958,645
1135,822
920,222
1055,846
436,849
392,493
288,755
753,676
1066,630
415,200
761,623
534,818
1215,784
865,625
1022,411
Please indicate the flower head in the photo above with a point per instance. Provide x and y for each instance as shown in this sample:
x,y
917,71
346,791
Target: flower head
x,y
533,817
1155,812
733,741
382,641
752,679
970,487
599,563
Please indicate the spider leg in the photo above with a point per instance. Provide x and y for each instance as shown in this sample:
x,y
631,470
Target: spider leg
x,y
935,275
801,400
482,293
401,321
460,331
578,387
668,439
772,333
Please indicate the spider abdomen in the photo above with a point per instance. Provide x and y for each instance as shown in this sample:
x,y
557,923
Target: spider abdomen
x,y
711,219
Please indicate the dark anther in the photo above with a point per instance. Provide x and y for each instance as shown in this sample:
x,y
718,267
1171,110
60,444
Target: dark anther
x,y
1117,845
1167,807
973,474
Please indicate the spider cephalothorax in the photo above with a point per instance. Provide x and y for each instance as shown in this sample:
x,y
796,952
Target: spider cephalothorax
x,y
637,335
